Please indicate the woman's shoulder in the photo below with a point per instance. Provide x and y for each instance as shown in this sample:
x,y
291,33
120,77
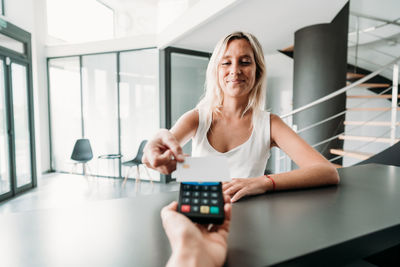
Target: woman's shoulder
x,y
191,116
274,117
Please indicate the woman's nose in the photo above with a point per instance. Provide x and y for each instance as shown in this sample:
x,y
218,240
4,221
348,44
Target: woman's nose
x,y
235,69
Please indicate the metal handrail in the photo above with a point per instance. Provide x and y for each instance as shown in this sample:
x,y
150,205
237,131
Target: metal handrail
x,y
340,113
340,91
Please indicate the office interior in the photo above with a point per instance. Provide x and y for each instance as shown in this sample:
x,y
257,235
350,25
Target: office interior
x,y
116,71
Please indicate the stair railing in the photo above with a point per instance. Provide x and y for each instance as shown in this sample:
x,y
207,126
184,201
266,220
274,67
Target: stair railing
x,y
394,108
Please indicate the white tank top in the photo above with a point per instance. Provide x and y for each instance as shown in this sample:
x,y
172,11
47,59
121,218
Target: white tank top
x,y
246,160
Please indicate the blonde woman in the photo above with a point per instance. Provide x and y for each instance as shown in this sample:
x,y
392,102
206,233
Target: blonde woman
x,y
230,121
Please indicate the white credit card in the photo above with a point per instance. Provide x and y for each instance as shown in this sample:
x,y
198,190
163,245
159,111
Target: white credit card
x,y
203,169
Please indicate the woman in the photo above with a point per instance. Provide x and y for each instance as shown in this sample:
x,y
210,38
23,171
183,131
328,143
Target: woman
x,y
229,121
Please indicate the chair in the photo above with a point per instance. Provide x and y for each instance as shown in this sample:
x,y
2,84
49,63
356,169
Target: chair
x,y
137,161
82,153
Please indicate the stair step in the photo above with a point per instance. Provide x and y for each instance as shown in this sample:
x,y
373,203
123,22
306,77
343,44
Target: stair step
x,y
336,165
352,75
370,109
367,138
350,153
288,49
372,96
372,85
370,123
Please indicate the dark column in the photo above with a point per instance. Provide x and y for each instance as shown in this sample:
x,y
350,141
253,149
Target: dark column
x,y
320,63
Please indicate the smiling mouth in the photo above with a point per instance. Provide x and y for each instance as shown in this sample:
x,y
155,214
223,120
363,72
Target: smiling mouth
x,y
236,81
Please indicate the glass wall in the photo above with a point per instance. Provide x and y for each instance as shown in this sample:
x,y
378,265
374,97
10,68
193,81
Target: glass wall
x,y
65,110
21,124
84,92
4,150
139,103
100,110
113,99
188,73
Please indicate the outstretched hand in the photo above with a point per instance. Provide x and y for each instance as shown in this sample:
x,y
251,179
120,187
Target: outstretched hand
x,y
163,152
196,243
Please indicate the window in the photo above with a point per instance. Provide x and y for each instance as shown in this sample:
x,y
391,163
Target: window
x,y
65,110
76,21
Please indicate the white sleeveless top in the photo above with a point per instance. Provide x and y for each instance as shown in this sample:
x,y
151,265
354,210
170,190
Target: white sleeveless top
x,y
246,160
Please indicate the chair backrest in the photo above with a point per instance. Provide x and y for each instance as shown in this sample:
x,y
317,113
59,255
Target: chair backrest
x,y
82,151
139,154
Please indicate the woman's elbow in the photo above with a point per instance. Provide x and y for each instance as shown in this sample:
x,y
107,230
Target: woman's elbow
x,y
333,175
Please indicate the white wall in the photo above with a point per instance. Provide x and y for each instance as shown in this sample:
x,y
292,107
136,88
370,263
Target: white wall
x,y
30,16
279,92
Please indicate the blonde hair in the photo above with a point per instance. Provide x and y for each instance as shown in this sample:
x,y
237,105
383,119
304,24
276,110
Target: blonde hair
x,y
214,96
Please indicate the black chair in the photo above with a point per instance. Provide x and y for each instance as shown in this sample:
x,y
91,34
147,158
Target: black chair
x,y
82,153
137,161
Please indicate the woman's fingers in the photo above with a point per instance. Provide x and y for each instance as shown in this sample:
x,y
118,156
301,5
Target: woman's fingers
x,y
233,189
170,141
162,153
239,194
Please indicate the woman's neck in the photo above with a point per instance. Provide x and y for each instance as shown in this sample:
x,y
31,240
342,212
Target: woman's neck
x,y
234,107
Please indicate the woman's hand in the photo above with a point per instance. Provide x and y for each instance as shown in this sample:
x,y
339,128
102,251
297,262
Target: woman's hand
x,y
162,152
240,187
194,244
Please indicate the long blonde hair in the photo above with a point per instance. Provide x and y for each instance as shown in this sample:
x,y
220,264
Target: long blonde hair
x,y
214,97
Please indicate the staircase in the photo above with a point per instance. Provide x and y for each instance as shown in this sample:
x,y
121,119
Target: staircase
x,y
367,133
371,101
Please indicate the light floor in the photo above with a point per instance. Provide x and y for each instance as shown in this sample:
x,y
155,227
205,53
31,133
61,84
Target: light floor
x,y
59,190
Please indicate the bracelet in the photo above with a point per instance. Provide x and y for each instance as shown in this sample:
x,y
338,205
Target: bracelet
x,y
272,180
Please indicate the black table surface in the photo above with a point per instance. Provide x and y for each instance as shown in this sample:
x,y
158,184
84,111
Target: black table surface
x,y
331,225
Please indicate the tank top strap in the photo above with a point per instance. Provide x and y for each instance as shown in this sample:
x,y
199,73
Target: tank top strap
x,y
204,125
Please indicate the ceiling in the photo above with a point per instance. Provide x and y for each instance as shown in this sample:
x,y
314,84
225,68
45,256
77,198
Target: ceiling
x,y
275,22
272,22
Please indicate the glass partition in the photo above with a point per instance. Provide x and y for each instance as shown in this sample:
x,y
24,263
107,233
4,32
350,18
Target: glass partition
x,y
65,110
100,111
139,103
4,150
188,73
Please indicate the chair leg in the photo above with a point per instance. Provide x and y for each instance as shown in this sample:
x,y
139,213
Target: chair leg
x,y
127,175
137,178
89,171
72,168
84,170
148,175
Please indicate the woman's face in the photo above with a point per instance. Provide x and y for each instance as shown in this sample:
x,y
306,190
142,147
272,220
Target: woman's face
x,y
237,69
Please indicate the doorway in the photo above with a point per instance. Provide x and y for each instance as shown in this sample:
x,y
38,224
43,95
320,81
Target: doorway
x,y
17,150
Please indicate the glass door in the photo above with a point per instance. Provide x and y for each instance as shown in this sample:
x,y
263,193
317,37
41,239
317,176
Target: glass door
x,y
20,111
17,138
5,181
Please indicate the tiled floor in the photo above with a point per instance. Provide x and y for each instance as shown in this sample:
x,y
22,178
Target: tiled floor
x,y
58,190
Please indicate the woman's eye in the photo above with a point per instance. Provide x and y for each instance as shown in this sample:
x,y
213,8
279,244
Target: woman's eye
x,y
246,62
225,63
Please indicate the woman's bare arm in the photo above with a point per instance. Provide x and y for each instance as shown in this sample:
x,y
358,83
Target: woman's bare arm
x,y
164,150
